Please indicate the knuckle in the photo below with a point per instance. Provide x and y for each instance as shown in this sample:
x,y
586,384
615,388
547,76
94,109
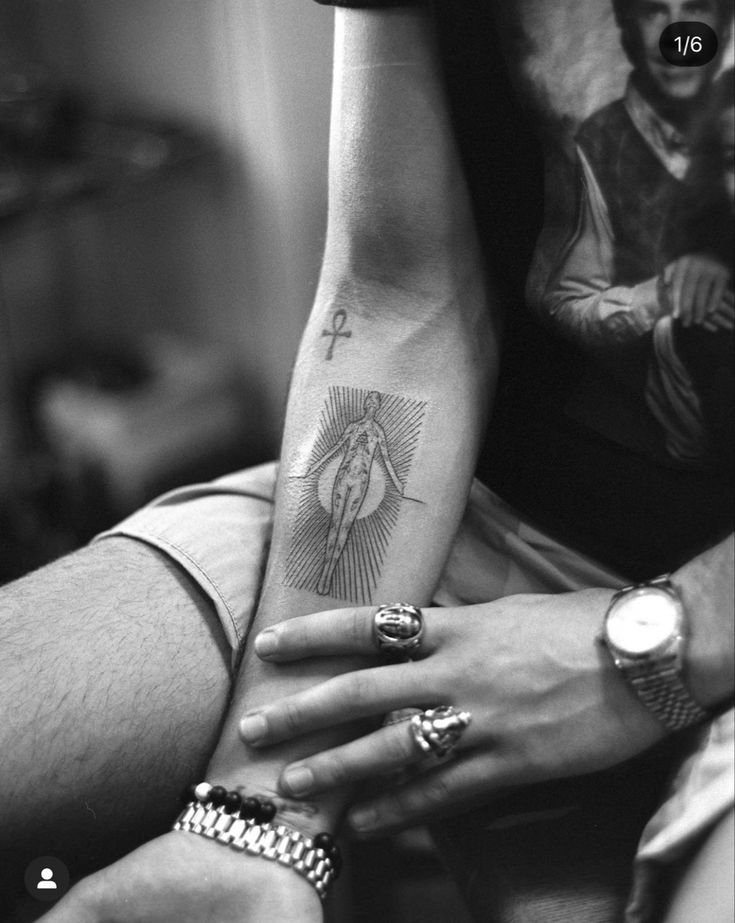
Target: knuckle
x,y
357,632
397,747
291,636
299,630
292,718
394,806
361,687
336,770
436,792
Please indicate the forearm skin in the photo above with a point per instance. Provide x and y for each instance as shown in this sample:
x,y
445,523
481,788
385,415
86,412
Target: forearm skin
x,y
403,263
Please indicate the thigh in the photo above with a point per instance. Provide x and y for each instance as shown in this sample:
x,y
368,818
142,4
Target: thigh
x,y
114,677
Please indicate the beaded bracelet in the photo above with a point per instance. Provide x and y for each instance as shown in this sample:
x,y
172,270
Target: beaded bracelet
x,y
260,810
215,813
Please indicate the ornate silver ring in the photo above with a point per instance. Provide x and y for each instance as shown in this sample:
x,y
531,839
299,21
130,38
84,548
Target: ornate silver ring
x,y
439,729
398,630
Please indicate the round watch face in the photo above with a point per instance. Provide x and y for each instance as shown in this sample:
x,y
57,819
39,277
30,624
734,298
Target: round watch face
x,y
642,619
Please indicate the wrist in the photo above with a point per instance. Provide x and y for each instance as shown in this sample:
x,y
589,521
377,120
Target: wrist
x,y
309,816
708,663
282,894
646,632
663,299
245,827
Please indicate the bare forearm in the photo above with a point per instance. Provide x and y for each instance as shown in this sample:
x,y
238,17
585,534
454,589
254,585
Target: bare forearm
x,y
398,354
398,210
396,545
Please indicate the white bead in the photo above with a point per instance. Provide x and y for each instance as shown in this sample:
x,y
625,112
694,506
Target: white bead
x,y
202,791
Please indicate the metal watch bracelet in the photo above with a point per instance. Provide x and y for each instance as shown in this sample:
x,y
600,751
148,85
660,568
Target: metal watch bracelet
x,y
659,684
271,841
665,694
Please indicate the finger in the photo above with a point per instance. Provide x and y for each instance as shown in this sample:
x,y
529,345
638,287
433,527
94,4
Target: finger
x,y
337,631
323,634
429,795
345,698
675,282
381,752
702,297
721,319
687,291
719,284
384,752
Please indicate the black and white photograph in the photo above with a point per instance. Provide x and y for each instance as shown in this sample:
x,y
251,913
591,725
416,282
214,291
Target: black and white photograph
x,y
366,461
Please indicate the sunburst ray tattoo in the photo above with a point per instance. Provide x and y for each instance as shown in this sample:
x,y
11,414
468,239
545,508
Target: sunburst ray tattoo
x,y
351,492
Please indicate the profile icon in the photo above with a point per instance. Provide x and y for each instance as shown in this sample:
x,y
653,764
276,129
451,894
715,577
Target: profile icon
x,y
47,879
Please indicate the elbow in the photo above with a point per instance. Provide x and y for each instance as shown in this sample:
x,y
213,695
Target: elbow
x,y
404,240
423,270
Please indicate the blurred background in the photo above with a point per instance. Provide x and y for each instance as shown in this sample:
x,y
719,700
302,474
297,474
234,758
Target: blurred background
x,y
162,215
162,210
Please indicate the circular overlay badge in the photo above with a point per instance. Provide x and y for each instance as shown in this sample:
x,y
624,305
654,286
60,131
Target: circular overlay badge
x,y
688,44
47,879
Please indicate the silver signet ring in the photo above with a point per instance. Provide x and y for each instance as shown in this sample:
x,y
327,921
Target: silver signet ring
x,y
398,630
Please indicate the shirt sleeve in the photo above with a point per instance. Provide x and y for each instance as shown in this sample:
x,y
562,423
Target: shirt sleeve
x,y
580,298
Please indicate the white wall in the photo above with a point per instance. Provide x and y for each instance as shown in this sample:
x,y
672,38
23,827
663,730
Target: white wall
x,y
237,257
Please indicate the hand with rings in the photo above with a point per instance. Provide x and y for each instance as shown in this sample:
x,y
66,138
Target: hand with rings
x,y
481,698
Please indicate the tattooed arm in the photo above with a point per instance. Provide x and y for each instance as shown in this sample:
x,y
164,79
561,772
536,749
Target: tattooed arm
x,y
382,444
323,459
411,382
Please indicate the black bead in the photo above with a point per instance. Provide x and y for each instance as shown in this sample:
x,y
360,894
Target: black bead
x,y
266,811
188,795
249,808
324,841
232,802
217,795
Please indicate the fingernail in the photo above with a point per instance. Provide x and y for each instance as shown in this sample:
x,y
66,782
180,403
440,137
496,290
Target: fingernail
x,y
266,644
298,780
253,727
363,818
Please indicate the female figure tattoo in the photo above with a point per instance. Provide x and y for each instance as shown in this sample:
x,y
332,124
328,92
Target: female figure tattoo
x,y
352,492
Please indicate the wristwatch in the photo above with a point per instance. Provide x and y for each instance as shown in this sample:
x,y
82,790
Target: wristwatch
x,y
644,631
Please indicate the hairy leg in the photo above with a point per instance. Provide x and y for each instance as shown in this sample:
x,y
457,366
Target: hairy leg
x,y
705,890
113,682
